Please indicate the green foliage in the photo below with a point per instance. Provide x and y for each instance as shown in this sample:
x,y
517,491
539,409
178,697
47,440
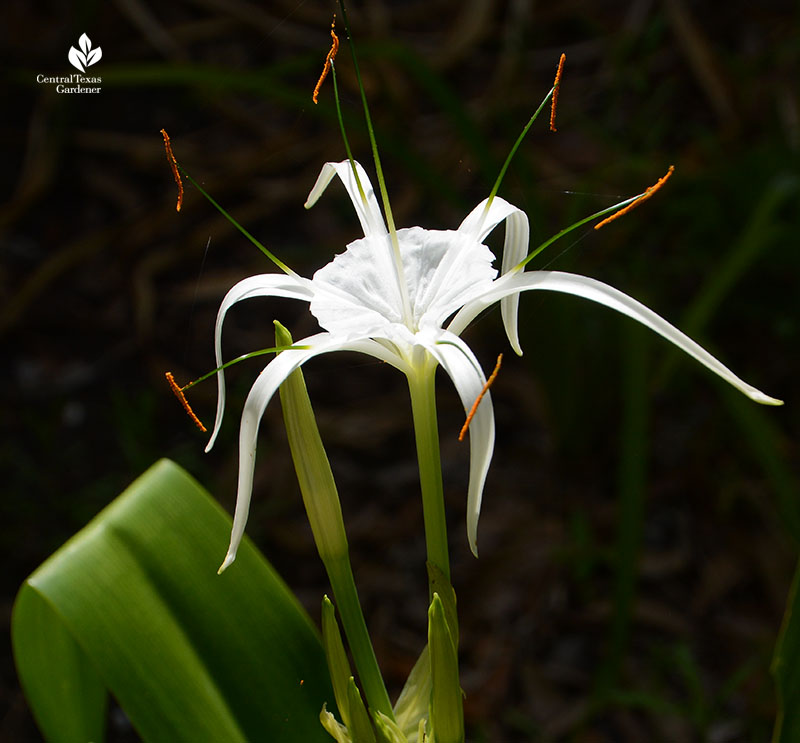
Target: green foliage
x,y
133,605
786,669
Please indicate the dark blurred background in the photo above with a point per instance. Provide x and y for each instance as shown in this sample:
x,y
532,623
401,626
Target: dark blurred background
x,y
640,521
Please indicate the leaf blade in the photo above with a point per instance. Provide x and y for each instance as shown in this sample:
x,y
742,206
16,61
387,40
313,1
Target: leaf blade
x,y
191,656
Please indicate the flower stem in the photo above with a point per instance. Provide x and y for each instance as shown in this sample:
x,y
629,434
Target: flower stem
x,y
343,584
321,500
447,716
423,407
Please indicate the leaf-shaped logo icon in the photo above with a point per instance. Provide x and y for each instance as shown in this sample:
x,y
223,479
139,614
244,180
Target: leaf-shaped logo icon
x,y
94,56
77,59
86,56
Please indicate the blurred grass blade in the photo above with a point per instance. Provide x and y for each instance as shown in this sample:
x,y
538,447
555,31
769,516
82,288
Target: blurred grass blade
x,y
786,669
133,604
768,447
631,502
758,235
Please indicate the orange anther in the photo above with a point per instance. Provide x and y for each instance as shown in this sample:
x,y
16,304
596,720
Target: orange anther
x,y
556,86
173,163
327,68
646,195
179,394
478,399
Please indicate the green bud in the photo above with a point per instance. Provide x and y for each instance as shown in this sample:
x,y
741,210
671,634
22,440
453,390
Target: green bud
x,y
447,713
389,730
438,582
360,726
317,485
337,731
338,665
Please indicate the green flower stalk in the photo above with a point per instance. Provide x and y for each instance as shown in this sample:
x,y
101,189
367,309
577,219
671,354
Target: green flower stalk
x,y
311,464
321,500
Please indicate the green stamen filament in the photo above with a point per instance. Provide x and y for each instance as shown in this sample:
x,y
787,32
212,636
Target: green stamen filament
x,y
243,357
511,154
552,94
346,141
279,263
547,243
398,260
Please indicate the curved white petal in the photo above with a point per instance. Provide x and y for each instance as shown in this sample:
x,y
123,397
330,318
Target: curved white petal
x,y
582,286
263,285
366,203
262,391
481,222
460,363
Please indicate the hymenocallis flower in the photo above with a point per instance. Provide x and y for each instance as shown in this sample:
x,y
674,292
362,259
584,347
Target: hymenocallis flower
x,y
405,296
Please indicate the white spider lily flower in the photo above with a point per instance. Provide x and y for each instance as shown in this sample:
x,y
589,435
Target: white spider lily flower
x,y
389,296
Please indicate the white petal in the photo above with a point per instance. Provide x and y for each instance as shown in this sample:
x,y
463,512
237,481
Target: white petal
x,y
263,285
366,204
463,368
265,386
481,222
582,286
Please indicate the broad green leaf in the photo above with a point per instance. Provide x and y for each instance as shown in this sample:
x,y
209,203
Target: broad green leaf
x,y
70,704
786,669
133,604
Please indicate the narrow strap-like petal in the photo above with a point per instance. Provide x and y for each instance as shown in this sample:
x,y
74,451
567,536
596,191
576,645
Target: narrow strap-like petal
x,y
481,222
582,286
263,285
463,368
262,391
366,204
